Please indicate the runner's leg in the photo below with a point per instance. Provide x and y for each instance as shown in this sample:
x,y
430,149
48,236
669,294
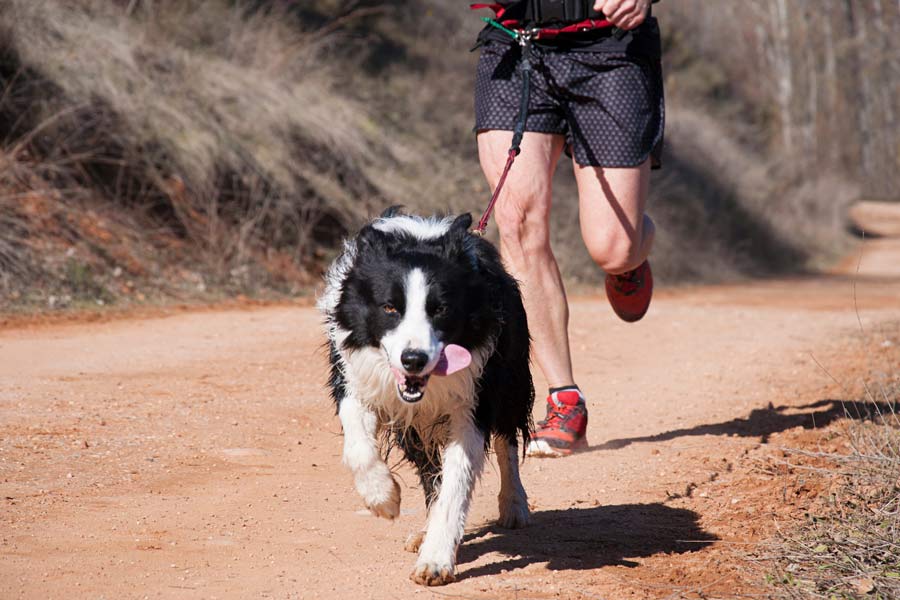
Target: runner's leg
x,y
617,233
522,215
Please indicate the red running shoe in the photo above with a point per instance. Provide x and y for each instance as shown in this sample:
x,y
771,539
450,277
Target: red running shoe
x,y
629,293
563,431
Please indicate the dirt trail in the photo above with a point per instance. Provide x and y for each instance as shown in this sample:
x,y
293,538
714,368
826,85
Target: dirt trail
x,y
196,456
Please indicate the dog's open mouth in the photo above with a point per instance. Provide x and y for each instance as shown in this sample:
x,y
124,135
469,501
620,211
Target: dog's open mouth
x,y
412,387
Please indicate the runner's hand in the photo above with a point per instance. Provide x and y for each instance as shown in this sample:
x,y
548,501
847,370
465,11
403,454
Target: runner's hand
x,y
624,14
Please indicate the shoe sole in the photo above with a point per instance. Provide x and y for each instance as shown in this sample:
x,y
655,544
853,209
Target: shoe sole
x,y
630,317
541,449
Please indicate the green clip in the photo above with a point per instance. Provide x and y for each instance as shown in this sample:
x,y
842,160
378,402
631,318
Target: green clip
x,y
494,23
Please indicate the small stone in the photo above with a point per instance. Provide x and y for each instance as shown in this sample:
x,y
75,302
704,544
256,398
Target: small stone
x,y
864,585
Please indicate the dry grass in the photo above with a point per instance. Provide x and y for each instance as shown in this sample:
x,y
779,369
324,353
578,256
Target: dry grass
x,y
205,87
852,548
208,120
848,545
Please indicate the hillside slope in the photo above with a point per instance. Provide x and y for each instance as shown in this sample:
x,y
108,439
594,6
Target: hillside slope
x,y
190,150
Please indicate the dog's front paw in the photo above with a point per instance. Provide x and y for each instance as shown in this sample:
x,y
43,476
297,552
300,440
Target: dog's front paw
x,y
380,491
514,513
432,573
389,508
414,542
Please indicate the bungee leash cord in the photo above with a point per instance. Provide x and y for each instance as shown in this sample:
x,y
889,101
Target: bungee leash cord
x,y
524,38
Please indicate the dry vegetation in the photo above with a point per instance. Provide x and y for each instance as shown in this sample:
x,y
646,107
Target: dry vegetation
x,y
820,77
187,149
848,542
849,546
207,127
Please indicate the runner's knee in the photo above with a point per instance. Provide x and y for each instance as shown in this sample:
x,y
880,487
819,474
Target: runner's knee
x,y
614,257
523,224
618,252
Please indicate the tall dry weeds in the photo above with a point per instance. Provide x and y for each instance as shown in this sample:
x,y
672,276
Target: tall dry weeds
x,y
853,549
215,120
848,545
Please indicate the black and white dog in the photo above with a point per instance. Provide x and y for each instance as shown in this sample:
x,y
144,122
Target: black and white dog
x,y
429,352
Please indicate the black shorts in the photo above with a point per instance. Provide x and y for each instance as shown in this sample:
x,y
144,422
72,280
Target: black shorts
x,y
610,106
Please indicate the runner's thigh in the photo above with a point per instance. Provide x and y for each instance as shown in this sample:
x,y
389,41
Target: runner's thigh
x,y
528,185
611,204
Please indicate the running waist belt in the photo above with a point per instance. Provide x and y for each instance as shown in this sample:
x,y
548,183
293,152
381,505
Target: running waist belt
x,y
513,16
548,12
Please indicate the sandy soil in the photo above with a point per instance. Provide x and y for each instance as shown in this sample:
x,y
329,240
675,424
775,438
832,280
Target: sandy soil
x,y
197,456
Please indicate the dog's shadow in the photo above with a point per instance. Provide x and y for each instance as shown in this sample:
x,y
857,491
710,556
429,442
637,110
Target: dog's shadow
x,y
586,538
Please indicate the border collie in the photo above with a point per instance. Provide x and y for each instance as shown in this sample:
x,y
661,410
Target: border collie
x,y
429,352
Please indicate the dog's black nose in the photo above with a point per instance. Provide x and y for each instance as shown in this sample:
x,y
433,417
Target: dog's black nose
x,y
413,360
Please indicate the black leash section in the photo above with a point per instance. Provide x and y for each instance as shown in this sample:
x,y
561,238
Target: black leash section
x,y
527,69
524,38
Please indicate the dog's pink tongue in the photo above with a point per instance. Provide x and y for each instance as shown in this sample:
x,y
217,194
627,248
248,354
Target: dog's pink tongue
x,y
454,358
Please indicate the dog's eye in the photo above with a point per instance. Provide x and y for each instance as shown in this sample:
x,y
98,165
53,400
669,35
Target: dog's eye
x,y
389,308
440,310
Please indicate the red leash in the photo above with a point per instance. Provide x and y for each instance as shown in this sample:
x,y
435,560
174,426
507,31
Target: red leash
x,y
483,223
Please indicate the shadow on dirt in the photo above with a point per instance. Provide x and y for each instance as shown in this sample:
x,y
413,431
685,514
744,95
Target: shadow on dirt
x,y
763,422
587,538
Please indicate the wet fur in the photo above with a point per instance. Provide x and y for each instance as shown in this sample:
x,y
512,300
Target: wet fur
x,y
471,302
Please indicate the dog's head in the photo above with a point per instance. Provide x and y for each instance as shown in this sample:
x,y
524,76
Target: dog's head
x,y
414,293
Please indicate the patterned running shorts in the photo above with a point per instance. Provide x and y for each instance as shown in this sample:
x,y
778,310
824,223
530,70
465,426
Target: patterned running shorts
x,y
610,106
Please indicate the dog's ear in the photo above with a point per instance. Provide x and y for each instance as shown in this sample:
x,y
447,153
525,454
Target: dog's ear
x,y
392,211
461,224
459,231
370,238
458,240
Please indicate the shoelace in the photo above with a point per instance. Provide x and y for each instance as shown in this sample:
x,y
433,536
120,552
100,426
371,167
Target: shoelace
x,y
554,415
626,283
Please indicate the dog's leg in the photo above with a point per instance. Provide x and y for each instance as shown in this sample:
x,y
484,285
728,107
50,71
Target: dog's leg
x,y
463,461
513,501
374,481
428,464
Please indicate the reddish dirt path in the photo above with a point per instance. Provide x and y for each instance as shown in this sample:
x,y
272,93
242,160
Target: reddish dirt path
x,y
197,456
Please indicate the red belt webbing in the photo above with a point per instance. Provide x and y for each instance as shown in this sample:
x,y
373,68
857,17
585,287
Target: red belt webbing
x,y
547,32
